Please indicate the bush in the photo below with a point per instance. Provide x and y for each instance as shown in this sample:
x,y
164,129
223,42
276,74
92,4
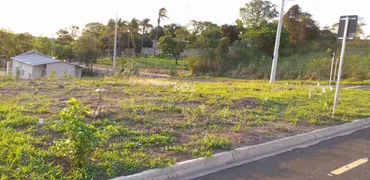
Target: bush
x,y
172,72
6,78
105,61
18,72
128,67
356,67
52,74
82,138
318,69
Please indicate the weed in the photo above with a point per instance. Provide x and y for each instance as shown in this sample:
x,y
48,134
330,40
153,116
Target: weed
x,y
213,142
52,74
314,121
225,113
82,138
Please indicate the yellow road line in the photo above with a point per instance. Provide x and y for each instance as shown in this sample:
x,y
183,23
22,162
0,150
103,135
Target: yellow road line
x,y
349,166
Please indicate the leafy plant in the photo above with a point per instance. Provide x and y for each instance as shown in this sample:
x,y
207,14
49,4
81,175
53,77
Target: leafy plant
x,y
65,74
52,74
18,72
82,138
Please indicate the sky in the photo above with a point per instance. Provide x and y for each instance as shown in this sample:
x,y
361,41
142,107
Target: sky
x,y
43,17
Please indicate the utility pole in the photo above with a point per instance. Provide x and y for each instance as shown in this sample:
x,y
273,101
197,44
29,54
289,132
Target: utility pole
x,y
277,44
344,42
115,46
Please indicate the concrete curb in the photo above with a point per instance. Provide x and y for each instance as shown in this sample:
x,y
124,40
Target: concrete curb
x,y
203,166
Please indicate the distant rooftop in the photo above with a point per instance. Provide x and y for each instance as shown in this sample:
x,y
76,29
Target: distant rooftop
x,y
34,58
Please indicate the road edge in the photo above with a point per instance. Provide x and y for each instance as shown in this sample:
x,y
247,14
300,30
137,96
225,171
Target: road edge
x,y
206,165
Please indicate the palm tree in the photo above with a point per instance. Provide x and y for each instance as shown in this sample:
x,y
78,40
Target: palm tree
x,y
107,33
145,24
162,15
133,29
121,29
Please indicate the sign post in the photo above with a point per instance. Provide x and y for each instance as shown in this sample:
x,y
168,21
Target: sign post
x,y
335,69
347,26
331,69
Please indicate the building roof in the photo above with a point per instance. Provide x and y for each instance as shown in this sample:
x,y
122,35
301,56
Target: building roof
x,y
34,58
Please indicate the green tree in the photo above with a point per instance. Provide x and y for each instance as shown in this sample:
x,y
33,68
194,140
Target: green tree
x,y
162,15
258,11
145,25
182,34
87,49
171,46
64,37
64,52
209,38
133,28
157,32
9,44
300,25
199,26
95,30
122,35
230,32
171,28
360,31
263,37
42,45
25,40
107,36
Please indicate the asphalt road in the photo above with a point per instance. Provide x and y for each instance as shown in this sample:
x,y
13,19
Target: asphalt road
x,y
343,158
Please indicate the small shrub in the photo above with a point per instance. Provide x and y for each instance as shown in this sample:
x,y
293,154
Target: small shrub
x,y
18,72
318,69
105,61
82,138
65,74
314,121
52,74
130,68
6,78
172,72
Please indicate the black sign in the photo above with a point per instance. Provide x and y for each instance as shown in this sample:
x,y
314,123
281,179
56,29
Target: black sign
x,y
352,26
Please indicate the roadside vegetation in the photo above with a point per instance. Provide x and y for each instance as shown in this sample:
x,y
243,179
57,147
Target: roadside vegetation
x,y
145,62
143,123
243,49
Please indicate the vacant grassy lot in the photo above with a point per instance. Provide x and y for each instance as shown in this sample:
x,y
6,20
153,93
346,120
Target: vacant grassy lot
x,y
145,123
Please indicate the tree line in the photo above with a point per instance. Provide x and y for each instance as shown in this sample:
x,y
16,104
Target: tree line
x,y
250,38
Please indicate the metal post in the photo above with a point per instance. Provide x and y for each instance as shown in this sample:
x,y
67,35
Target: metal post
x,y
277,44
115,46
335,69
331,69
341,64
7,67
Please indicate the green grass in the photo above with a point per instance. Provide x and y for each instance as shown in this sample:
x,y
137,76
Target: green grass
x,y
156,63
310,66
160,63
145,124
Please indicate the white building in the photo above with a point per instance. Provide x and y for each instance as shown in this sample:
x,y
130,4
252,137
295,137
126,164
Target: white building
x,y
33,65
